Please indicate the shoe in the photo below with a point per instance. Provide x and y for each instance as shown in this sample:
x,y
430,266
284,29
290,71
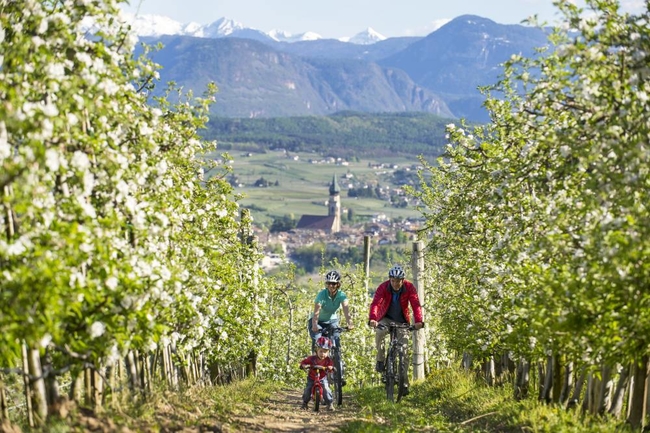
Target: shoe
x,y
330,407
380,366
406,392
343,381
304,406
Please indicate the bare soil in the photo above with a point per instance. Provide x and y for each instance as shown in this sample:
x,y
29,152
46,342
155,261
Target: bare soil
x,y
283,413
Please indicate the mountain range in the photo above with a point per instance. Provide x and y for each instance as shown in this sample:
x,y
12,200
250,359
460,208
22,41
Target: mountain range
x,y
158,25
273,75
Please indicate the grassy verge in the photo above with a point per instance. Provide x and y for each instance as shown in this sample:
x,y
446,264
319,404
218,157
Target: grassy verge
x,y
453,401
192,410
448,401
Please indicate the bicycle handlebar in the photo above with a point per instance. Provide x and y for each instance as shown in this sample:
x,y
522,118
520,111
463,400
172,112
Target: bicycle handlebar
x,y
396,325
332,329
316,367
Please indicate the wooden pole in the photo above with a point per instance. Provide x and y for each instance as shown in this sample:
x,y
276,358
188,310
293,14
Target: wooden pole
x,y
366,261
4,405
37,385
28,393
419,337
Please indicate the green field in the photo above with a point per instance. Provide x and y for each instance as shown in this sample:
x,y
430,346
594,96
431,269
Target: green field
x,y
303,187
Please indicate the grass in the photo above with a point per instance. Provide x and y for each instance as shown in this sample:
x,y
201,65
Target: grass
x,y
304,187
455,401
447,401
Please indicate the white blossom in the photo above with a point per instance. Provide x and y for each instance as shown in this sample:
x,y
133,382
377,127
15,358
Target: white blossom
x,y
97,329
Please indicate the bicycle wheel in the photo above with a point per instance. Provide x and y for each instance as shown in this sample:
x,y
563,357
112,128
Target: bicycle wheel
x,y
401,376
317,396
390,376
338,379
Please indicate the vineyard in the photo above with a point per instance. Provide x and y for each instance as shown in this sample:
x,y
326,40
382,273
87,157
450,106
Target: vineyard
x,y
125,271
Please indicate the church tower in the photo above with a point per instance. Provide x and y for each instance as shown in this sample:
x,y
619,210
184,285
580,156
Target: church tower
x,y
334,205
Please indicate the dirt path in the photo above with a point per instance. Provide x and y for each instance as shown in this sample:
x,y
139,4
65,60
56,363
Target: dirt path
x,y
282,413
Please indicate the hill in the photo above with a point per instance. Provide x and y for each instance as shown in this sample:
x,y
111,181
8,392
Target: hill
x,y
344,134
256,80
437,74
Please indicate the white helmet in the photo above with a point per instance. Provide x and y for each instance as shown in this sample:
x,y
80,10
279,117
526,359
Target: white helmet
x,y
397,272
333,277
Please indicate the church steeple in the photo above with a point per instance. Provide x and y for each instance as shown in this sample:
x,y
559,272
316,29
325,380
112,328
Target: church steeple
x,y
334,205
334,186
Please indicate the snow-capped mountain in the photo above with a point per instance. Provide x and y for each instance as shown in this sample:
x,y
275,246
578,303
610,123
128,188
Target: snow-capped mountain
x,y
158,25
367,37
284,36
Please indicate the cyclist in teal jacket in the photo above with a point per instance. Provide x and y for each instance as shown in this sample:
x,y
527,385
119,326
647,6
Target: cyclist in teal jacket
x,y
327,303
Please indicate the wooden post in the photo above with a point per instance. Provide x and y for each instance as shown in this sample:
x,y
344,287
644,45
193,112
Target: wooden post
x,y
37,385
28,393
4,405
366,261
419,337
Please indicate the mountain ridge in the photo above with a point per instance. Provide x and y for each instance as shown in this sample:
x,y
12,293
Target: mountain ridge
x,y
439,73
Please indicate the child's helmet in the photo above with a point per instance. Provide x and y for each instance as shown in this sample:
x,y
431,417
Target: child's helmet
x,y
324,343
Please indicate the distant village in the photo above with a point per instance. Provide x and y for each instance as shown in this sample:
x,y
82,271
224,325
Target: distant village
x,y
330,229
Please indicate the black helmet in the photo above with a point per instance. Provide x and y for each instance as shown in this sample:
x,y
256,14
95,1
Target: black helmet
x,y
397,272
332,277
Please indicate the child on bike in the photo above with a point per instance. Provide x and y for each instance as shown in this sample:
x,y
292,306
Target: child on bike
x,y
321,358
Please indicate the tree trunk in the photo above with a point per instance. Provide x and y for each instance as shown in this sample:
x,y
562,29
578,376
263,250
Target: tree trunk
x,y
545,389
588,401
131,371
556,387
4,405
606,386
619,393
637,404
251,364
37,385
577,390
567,384
88,387
522,380
76,391
466,363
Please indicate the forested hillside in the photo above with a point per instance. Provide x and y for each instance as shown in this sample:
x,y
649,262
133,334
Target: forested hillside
x,y
342,134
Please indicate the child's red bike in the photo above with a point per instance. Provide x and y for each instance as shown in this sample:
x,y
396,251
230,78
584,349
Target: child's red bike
x,y
317,387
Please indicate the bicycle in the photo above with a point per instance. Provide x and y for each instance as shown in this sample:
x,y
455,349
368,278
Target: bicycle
x,y
395,367
317,387
337,359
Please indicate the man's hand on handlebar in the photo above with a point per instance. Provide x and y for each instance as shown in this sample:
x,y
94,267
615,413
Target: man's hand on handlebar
x,y
418,325
372,323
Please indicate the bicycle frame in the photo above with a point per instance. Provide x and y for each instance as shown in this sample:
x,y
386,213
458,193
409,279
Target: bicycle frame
x,y
317,387
337,359
395,369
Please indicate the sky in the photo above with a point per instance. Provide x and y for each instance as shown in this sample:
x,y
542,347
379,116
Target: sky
x,y
340,18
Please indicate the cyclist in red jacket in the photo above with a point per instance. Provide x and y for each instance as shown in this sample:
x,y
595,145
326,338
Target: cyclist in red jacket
x,y
390,304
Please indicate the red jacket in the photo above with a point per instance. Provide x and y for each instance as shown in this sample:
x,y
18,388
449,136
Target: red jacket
x,y
315,360
381,302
